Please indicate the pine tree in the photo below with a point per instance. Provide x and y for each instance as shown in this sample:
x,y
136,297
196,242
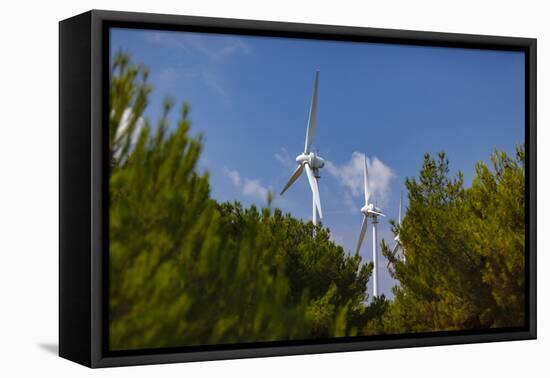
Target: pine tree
x,y
464,250
497,201
317,269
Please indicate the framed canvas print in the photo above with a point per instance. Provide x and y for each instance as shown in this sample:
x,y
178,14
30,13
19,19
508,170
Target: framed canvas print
x,y
234,188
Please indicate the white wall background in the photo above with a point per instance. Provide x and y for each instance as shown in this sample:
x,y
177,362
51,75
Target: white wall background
x,y
29,186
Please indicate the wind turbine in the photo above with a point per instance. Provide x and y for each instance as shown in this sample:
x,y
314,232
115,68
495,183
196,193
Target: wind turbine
x,y
373,212
308,160
397,241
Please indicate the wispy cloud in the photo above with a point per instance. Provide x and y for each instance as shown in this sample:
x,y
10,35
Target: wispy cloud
x,y
250,187
226,46
171,74
284,158
204,57
214,84
195,44
350,175
167,39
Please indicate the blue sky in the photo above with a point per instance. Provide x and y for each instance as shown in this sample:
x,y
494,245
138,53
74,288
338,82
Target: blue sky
x,y
250,97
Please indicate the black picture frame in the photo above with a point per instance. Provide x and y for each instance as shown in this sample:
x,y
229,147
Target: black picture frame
x,y
83,193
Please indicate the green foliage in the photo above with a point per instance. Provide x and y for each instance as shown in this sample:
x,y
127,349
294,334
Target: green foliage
x,y
186,270
313,264
497,198
464,248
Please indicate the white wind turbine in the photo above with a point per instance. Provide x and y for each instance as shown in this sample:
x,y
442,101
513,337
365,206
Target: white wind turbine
x,y
308,160
397,240
373,212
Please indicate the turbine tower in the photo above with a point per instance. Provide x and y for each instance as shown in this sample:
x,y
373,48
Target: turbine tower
x,y
373,212
309,160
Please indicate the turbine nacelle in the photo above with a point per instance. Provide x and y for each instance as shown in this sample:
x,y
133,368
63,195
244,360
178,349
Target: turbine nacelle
x,y
311,159
371,211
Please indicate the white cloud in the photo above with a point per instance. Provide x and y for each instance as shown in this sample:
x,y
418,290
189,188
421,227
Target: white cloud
x,y
250,187
350,175
284,158
233,175
253,188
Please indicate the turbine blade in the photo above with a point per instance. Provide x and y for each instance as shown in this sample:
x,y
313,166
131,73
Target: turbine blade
x,y
297,172
314,189
366,182
312,121
394,250
377,213
318,201
362,233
